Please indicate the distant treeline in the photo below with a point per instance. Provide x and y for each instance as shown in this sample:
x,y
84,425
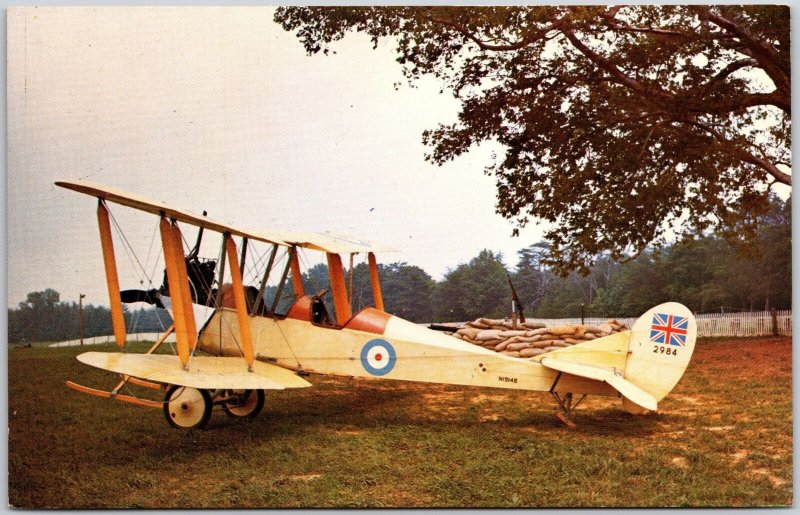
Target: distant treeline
x,y
706,274
43,317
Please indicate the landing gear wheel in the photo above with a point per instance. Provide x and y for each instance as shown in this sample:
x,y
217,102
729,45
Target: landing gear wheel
x,y
244,403
187,408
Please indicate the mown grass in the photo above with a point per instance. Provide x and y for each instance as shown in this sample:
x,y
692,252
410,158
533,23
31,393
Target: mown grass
x,y
722,438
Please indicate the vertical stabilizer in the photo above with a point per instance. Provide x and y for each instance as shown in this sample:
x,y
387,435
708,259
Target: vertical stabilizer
x,y
661,345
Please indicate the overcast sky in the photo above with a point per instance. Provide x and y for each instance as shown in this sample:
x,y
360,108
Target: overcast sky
x,y
220,109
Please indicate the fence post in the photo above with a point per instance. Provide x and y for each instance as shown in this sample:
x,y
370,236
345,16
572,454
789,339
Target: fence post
x,y
774,322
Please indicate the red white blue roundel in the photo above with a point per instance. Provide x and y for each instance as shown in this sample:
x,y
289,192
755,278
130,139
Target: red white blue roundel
x,y
378,357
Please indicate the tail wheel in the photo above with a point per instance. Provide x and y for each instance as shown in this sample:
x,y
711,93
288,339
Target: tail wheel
x,y
244,403
187,408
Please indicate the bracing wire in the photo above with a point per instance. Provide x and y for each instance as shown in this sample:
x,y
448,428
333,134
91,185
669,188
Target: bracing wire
x,y
134,260
150,249
129,246
253,269
303,258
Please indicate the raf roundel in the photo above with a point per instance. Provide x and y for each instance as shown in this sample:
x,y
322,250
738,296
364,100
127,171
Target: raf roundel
x,y
378,357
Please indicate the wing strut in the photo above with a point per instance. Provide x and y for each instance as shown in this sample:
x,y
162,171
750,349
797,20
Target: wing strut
x,y
338,288
376,281
176,284
241,303
297,275
186,292
117,317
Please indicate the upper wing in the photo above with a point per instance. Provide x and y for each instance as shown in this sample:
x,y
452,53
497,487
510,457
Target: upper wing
x,y
316,241
207,372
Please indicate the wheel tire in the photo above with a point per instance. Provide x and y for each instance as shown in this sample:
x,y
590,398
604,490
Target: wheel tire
x,y
187,408
250,409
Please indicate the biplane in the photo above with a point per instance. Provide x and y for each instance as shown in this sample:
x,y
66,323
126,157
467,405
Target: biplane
x,y
253,341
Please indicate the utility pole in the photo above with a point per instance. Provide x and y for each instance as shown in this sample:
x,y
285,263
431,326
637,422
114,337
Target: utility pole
x,y
80,310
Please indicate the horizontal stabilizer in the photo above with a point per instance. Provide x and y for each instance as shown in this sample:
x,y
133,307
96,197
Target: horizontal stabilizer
x,y
626,388
205,372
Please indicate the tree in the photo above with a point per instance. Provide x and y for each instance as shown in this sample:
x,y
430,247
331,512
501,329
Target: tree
x,y
531,278
619,124
407,291
41,300
475,289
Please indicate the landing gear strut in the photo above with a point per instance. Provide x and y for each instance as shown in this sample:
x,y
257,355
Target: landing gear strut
x,y
566,404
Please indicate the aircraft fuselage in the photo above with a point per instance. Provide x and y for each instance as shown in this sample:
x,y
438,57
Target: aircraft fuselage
x,y
389,348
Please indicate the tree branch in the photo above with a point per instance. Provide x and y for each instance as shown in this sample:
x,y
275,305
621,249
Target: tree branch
x,y
729,105
606,65
527,40
614,24
743,155
728,70
687,102
766,55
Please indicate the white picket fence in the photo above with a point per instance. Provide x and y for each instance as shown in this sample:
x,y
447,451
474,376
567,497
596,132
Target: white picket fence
x,y
100,340
758,323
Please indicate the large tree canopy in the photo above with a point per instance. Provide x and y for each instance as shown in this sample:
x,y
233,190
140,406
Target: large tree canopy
x,y
620,125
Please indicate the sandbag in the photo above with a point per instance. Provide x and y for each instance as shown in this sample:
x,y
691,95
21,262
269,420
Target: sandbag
x,y
534,325
488,334
472,332
605,328
502,346
561,330
529,353
490,321
518,346
509,334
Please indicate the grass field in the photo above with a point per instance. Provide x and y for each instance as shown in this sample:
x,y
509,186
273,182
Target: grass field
x,y
722,438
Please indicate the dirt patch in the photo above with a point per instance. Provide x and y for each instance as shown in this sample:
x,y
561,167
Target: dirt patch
x,y
349,432
691,399
680,461
776,481
740,455
481,397
304,477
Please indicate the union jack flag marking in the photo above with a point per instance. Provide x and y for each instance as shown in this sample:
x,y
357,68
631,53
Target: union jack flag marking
x,y
669,329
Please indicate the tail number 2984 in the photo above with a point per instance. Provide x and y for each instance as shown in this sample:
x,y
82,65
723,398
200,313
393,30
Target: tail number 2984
x,y
661,349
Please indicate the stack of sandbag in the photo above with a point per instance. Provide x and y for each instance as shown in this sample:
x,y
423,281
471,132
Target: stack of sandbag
x,y
530,338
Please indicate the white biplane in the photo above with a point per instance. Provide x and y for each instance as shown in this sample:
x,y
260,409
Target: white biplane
x,y
248,345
